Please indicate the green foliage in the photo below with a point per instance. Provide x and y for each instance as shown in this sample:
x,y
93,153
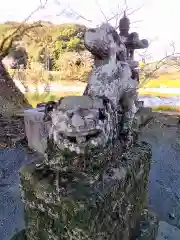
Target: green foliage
x,y
4,28
60,47
166,108
53,48
48,38
74,44
69,30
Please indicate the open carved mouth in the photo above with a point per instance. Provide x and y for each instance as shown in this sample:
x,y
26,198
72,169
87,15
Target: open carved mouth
x,y
79,121
84,139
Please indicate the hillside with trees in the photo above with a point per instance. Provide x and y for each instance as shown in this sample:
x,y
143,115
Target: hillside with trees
x,y
46,42
46,46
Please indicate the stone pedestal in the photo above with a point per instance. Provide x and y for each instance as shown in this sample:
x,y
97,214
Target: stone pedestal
x,y
88,198
98,195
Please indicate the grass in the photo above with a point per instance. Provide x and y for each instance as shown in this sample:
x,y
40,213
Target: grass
x,y
157,94
163,82
166,108
166,79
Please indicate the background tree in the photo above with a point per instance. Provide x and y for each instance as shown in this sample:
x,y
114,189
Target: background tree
x,y
11,98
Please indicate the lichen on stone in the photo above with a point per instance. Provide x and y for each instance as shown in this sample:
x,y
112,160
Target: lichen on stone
x,y
102,199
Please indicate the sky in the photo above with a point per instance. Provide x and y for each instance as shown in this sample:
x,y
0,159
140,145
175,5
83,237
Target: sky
x,y
156,20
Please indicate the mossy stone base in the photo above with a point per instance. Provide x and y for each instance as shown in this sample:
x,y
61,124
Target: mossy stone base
x,y
103,204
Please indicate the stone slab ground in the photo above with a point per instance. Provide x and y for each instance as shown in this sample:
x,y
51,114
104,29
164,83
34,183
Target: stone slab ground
x,y
167,232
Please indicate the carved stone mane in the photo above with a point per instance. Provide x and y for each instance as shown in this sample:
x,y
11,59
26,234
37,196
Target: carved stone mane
x,y
108,105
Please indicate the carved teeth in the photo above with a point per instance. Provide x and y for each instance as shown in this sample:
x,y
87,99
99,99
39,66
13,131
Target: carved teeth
x,y
81,139
77,121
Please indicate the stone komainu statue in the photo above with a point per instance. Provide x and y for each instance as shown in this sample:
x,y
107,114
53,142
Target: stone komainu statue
x,y
107,107
101,192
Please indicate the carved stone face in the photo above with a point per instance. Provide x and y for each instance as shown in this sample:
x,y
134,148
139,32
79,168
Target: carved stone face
x,y
104,41
78,120
93,119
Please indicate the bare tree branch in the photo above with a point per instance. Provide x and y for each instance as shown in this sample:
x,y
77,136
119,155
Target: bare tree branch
x,y
65,11
41,6
135,10
79,15
172,59
138,21
20,30
101,10
117,16
126,6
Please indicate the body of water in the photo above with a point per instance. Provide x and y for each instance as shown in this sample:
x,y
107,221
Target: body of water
x,y
153,101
